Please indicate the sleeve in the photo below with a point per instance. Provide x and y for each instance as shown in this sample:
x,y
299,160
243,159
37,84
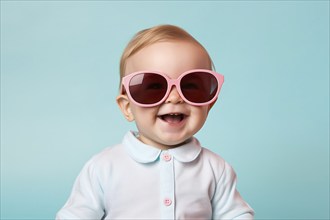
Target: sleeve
x,y
85,201
227,202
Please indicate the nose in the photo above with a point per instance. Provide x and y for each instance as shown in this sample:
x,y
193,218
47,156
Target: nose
x,y
174,96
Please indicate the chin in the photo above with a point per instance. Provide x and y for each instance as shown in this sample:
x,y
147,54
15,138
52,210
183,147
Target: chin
x,y
175,143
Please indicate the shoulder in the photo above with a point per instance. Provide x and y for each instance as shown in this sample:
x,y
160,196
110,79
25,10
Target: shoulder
x,y
105,158
219,166
108,154
212,158
100,167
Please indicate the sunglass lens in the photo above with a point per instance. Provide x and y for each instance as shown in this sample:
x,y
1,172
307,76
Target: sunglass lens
x,y
199,87
147,88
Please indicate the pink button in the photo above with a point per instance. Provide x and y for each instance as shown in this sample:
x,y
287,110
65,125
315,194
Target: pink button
x,y
167,157
167,202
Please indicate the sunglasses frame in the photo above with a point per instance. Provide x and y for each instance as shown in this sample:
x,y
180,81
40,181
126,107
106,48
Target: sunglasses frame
x,y
170,83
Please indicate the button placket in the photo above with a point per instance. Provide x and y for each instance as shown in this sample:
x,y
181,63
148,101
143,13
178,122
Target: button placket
x,y
167,185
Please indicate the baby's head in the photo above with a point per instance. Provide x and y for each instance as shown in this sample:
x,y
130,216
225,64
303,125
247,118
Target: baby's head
x,y
161,33
167,85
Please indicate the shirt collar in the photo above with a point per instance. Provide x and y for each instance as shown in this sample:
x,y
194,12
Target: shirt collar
x,y
143,153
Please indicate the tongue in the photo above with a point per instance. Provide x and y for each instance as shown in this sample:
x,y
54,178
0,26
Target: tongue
x,y
172,118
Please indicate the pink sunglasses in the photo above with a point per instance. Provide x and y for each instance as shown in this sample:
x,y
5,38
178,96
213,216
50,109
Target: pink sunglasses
x,y
150,88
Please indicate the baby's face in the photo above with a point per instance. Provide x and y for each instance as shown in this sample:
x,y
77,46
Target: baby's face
x,y
174,121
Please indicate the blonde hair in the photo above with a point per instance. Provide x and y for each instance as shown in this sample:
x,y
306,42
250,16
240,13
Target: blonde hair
x,y
153,35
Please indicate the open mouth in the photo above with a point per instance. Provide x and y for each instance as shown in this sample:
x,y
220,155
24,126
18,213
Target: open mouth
x,y
173,117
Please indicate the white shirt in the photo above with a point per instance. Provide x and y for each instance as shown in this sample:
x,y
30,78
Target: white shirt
x,y
136,181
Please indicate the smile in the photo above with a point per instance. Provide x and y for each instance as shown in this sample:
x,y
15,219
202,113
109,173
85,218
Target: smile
x,y
173,118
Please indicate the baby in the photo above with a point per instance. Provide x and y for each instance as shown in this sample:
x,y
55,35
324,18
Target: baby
x,y
161,171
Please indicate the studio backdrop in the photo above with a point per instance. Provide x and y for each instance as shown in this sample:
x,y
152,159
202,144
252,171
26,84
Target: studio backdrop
x,y
60,78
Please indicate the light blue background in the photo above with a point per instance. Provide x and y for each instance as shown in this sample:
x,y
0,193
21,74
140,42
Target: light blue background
x,y
59,76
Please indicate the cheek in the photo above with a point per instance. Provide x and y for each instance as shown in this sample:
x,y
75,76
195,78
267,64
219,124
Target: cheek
x,y
143,115
203,111
200,115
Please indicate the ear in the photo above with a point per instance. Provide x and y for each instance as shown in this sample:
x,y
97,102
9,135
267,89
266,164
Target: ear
x,y
125,107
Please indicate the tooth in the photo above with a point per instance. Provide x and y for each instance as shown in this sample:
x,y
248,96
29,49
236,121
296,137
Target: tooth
x,y
174,114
